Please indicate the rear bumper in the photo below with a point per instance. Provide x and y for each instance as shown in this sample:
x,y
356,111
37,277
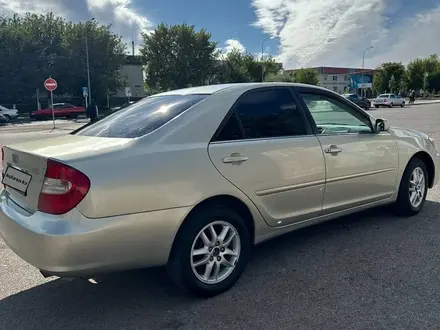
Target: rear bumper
x,y
73,245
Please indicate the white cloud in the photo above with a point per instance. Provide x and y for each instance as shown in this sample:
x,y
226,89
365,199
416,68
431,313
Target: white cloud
x,y
335,32
232,44
229,45
124,19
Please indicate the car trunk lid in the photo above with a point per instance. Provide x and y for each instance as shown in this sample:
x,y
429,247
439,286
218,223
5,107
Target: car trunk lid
x,y
25,163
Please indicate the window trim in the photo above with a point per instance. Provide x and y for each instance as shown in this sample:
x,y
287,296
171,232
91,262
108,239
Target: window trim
x,y
352,106
231,111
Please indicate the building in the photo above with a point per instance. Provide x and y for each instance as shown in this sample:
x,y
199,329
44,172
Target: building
x,y
134,74
341,80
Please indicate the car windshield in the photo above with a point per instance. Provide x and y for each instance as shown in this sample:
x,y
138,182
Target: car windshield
x,y
384,96
142,117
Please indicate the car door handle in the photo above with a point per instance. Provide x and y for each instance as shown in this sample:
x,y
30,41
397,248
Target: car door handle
x,y
235,158
333,149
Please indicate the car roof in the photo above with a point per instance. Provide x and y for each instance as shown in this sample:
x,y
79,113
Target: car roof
x,y
211,89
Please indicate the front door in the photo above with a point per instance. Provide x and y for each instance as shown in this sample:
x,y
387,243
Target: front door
x,y
267,150
361,165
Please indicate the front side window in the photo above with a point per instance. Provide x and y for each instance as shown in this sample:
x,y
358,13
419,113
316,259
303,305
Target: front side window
x,y
333,116
142,117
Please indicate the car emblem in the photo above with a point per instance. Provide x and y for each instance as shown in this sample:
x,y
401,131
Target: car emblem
x,y
15,158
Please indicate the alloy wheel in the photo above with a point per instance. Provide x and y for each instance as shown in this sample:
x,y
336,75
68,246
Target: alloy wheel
x,y
417,187
215,252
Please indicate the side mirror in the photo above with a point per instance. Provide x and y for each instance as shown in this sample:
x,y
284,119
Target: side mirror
x,y
381,125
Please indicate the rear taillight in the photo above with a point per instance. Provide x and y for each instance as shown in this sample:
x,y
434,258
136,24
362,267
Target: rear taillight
x,y
3,160
63,188
385,101
3,166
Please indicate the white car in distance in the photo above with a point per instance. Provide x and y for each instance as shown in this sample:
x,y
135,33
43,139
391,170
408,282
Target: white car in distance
x,y
9,114
389,100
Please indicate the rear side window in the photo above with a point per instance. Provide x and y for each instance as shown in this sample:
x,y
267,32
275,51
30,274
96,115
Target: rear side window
x,y
142,117
263,114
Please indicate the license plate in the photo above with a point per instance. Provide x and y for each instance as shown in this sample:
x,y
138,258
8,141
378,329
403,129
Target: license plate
x,y
16,179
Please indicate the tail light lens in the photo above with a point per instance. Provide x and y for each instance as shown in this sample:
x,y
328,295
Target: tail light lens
x,y
63,188
3,166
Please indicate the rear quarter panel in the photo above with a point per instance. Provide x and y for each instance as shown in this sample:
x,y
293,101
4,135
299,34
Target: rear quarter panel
x,y
168,168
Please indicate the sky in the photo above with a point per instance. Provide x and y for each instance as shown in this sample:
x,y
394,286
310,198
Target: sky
x,y
299,33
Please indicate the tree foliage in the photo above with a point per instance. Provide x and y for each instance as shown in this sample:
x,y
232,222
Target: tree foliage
x,y
384,74
38,46
239,67
177,56
281,77
307,76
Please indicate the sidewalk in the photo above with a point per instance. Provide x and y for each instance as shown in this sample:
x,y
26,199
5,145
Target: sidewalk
x,y
417,102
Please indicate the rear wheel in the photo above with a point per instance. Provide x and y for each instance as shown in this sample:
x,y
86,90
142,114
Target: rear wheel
x,y
413,188
377,107
403,104
211,252
8,118
390,105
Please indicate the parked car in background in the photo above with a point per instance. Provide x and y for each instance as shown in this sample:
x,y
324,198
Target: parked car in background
x,y
3,119
202,175
66,110
119,107
389,100
358,100
9,114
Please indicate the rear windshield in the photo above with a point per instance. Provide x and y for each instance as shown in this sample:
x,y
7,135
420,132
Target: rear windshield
x,y
142,117
384,96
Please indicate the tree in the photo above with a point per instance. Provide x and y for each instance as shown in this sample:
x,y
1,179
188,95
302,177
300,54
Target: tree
x,y
383,76
39,46
415,72
307,76
392,84
280,76
434,81
233,68
418,68
177,56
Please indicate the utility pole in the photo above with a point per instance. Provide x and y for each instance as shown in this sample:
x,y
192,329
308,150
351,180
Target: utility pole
x,y
262,56
363,67
87,60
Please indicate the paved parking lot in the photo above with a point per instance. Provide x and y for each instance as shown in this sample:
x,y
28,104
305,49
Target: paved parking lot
x,y
367,271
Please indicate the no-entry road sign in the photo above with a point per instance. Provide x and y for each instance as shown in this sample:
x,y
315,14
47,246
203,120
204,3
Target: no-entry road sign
x,y
50,84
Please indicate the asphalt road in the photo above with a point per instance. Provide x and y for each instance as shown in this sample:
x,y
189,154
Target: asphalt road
x,y
367,271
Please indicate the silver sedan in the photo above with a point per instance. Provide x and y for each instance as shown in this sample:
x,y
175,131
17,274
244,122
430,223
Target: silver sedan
x,y
194,178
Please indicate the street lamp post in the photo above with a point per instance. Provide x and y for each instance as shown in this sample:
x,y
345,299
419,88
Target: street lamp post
x,y
363,67
87,61
262,55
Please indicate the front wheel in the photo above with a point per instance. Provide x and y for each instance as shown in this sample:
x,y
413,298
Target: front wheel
x,y
211,252
413,188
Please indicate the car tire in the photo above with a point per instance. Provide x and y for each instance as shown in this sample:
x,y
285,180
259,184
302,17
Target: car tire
x,y
190,249
403,104
390,105
409,185
377,107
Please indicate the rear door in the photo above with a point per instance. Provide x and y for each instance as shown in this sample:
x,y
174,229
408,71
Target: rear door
x,y
266,149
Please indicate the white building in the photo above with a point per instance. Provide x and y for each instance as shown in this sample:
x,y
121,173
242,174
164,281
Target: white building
x,y
134,74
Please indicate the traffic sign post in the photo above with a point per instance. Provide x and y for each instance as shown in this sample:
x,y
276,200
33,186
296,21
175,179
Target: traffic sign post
x,y
51,84
128,93
85,92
